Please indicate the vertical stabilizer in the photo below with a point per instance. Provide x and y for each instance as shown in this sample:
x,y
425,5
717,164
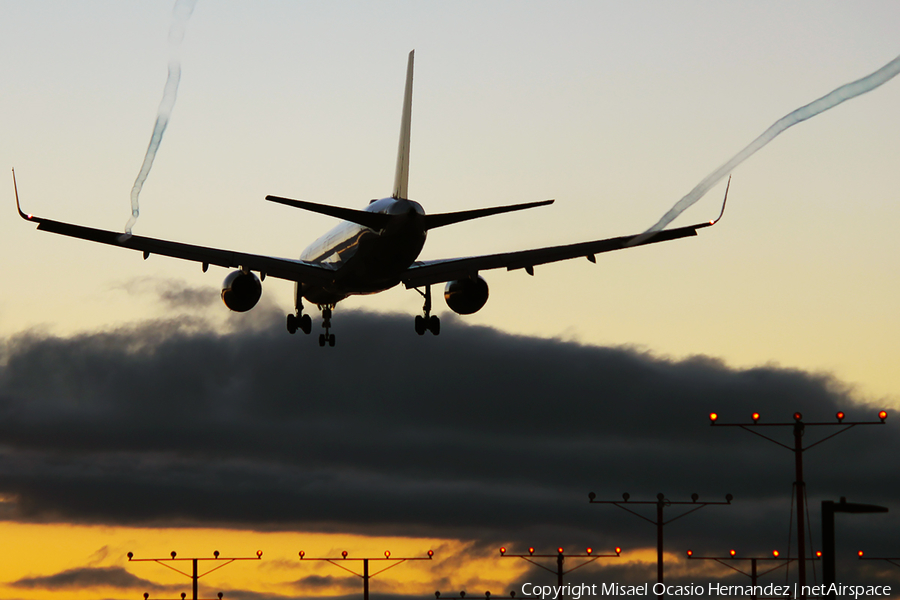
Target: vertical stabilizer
x,y
401,177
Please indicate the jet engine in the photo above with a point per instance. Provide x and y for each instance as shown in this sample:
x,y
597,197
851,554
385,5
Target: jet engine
x,y
466,296
241,291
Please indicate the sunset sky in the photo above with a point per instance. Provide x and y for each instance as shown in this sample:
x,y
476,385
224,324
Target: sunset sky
x,y
138,414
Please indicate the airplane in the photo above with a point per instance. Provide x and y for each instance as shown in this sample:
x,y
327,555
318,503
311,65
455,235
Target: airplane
x,y
370,251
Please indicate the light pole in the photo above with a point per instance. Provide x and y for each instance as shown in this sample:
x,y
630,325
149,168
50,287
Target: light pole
x,y
799,427
754,573
365,575
560,557
194,576
828,509
660,503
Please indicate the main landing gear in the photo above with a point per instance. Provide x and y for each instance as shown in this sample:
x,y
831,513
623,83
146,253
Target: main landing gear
x,y
299,321
326,323
428,322
304,323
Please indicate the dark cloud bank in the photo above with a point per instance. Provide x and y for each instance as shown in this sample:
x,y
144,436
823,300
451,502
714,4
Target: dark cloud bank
x,y
476,434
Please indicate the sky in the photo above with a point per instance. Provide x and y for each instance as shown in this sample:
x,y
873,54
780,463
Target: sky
x,y
137,408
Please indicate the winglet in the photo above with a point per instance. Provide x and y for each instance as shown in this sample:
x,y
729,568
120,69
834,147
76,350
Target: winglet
x,y
401,175
19,206
723,202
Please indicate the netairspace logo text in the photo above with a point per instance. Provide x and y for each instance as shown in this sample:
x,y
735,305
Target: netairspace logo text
x,y
577,591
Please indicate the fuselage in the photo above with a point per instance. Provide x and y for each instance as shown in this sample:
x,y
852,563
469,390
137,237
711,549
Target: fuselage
x,y
366,260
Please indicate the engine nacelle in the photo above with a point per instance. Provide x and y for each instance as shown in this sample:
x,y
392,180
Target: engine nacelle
x,y
466,296
241,291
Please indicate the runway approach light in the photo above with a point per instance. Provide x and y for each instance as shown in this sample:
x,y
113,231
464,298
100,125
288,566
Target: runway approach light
x,y
259,554
430,553
713,417
775,553
818,554
840,416
798,416
302,554
755,417
560,550
732,552
588,550
502,551
860,554
690,552
882,415
387,553
215,554
618,551
531,551
344,554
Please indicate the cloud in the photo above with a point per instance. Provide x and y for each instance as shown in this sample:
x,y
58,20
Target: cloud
x,y
87,577
476,435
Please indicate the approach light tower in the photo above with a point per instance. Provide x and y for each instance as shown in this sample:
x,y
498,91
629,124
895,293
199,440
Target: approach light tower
x,y
194,576
754,573
799,427
660,503
560,557
365,575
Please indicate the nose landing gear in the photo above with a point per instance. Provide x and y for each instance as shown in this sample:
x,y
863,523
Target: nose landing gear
x,y
428,322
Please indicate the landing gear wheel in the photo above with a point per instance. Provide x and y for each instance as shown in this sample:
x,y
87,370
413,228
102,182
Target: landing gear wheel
x,y
331,340
292,324
322,340
420,325
305,324
434,325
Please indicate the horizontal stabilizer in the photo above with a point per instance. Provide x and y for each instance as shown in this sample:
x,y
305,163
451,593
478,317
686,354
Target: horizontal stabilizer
x,y
362,217
439,220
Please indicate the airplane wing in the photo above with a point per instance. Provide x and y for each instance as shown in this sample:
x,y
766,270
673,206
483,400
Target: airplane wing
x,y
438,271
282,268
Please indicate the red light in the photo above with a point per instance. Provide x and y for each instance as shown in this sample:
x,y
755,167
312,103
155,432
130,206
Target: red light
x,y
713,417
840,416
560,550
344,554
755,417
589,550
618,551
502,550
797,416
818,554
775,553
430,553
882,415
860,553
690,552
531,551
732,552
302,554
258,554
387,553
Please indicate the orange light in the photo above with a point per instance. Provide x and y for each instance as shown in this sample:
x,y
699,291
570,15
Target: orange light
x,y
818,554
755,417
344,554
560,550
589,550
531,551
860,553
775,553
797,416
690,553
732,552
840,416
502,550
387,553
713,417
302,554
882,415
258,553
430,553
618,551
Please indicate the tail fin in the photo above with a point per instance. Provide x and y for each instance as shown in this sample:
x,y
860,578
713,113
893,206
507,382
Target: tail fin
x,y
401,176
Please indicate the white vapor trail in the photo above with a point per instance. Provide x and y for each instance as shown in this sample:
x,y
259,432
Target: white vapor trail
x,y
841,94
180,15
